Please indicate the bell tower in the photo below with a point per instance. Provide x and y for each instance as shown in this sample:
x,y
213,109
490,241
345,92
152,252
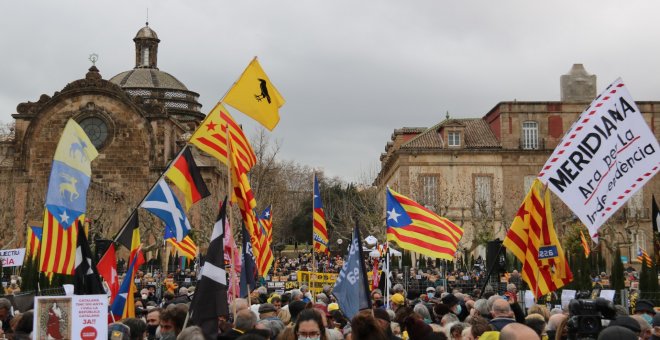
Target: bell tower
x,y
146,48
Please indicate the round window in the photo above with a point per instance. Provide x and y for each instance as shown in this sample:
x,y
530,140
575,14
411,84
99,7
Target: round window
x,y
96,129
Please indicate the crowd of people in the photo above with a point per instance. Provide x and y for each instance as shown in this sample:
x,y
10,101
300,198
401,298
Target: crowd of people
x,y
433,314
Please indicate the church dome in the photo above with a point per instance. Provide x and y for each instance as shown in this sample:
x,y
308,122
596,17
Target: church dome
x,y
151,84
146,33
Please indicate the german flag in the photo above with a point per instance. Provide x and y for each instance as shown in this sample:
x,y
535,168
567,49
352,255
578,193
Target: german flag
x,y
216,131
418,229
185,174
58,250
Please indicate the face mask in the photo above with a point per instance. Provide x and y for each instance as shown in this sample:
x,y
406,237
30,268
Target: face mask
x,y
459,309
167,336
430,295
647,318
151,329
306,338
144,296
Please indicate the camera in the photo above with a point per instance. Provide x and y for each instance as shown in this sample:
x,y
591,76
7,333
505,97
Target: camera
x,y
586,315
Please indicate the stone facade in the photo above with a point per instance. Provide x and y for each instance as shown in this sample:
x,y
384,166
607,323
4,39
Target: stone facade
x,y
137,138
477,171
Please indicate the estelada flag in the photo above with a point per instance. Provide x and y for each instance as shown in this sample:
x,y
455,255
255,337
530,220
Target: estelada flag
x,y
416,228
254,95
185,174
58,246
217,130
186,247
533,240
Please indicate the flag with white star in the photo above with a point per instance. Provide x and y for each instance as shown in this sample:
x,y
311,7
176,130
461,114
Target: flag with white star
x,y
416,228
66,198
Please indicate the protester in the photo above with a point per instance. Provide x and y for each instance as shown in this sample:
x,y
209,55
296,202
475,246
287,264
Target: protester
x,y
518,331
309,325
5,315
191,333
136,326
244,322
153,322
172,320
365,327
502,314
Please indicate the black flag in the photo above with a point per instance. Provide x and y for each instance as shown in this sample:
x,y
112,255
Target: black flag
x,y
86,279
210,299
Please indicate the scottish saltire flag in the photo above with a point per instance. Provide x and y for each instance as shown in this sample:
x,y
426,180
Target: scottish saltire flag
x,y
69,178
351,288
162,203
320,231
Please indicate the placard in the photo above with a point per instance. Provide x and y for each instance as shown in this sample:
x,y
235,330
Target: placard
x,y
529,298
70,317
608,294
603,159
566,296
12,257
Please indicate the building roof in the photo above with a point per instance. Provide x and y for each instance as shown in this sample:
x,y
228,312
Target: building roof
x,y
478,135
146,33
147,78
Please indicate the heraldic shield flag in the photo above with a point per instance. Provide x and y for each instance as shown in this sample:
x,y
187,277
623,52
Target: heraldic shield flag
x,y
69,178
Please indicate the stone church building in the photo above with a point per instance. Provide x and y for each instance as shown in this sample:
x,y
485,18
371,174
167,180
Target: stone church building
x,y
476,171
138,120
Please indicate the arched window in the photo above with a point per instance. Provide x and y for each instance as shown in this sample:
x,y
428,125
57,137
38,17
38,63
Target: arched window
x,y
530,135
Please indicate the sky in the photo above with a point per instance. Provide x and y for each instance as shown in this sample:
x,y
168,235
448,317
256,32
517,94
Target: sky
x,y
350,71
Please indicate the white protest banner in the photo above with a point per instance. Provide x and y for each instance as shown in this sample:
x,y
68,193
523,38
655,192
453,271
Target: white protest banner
x,y
566,296
606,156
12,257
70,317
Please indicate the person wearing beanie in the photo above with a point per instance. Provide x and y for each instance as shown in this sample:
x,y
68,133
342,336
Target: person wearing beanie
x,y
616,333
384,319
644,308
397,301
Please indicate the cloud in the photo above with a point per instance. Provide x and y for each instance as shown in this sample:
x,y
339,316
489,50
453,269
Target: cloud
x,y
351,72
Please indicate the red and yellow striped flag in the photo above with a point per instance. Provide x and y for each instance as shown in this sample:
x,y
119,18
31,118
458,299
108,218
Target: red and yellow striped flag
x,y
585,245
533,240
418,229
58,246
186,247
319,227
265,258
211,137
643,257
33,241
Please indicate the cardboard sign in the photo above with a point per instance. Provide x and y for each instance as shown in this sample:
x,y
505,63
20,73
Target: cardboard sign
x,y
70,317
605,157
566,296
12,257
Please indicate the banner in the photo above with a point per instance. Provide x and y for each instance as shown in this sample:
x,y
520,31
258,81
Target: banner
x,y
12,257
605,157
70,317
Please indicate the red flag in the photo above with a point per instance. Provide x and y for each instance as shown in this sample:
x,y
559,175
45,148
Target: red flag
x,y
107,268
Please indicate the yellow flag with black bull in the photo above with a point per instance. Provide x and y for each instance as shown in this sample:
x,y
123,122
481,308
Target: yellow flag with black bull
x,y
254,95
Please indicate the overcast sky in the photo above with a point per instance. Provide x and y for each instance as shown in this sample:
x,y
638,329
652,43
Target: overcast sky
x,y
351,71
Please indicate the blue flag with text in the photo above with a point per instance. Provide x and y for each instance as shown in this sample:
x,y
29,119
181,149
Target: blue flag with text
x,y
351,288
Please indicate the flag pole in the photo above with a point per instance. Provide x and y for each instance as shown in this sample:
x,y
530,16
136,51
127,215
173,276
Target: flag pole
x,y
313,248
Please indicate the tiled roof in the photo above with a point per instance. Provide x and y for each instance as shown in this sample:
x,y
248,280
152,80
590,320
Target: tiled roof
x,y
478,135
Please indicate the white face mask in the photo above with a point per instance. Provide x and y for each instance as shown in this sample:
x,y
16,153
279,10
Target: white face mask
x,y
309,338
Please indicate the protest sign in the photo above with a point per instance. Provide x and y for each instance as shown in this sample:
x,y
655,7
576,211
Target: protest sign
x,y
606,156
566,296
70,317
12,257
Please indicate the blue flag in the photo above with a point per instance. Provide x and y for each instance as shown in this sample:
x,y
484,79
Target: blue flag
x,y
351,288
162,203
37,231
248,270
66,198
